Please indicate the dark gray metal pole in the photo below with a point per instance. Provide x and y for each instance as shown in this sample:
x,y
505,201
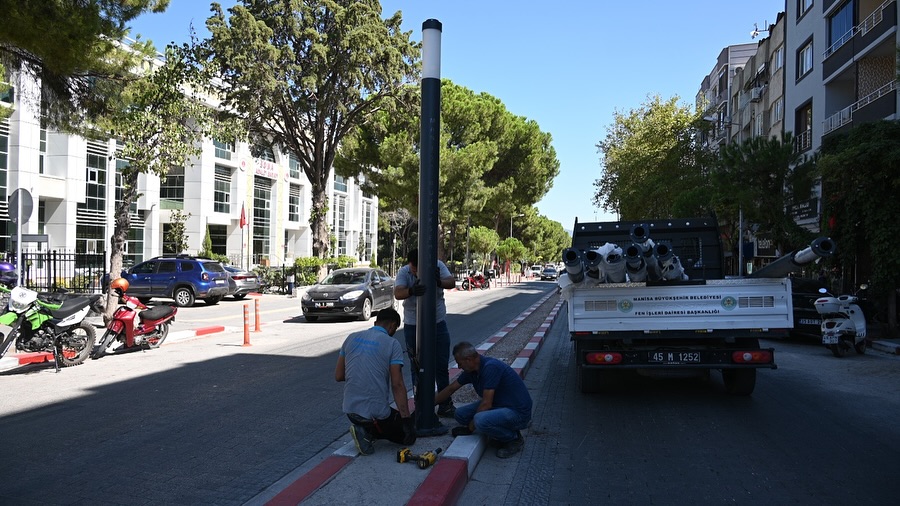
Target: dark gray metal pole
x,y
429,167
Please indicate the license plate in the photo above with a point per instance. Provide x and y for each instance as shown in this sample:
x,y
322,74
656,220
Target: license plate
x,y
674,357
220,281
809,321
830,338
324,304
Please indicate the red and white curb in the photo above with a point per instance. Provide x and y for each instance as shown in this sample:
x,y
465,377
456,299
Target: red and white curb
x,y
448,477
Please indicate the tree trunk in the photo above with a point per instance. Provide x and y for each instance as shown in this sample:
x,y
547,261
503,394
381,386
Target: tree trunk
x,y
119,237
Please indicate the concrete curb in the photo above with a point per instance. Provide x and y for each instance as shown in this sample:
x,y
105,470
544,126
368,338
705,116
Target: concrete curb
x,y
886,346
449,476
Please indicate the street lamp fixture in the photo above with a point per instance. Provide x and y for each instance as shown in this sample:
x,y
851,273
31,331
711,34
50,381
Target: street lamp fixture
x,y
511,220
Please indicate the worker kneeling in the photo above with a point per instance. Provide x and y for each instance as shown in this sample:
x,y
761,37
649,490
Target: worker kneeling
x,y
505,405
371,362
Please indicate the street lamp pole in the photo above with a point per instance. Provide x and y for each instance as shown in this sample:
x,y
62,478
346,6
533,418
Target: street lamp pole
x,y
511,216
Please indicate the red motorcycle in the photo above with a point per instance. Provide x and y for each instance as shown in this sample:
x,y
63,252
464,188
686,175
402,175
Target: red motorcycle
x,y
476,280
150,331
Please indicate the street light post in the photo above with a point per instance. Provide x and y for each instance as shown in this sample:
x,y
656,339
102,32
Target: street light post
x,y
510,222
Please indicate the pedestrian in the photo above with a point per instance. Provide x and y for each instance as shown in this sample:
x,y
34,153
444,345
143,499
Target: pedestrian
x,y
505,405
290,283
408,286
370,363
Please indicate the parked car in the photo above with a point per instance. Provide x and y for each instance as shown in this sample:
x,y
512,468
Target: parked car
x,y
536,270
245,282
182,277
355,292
549,273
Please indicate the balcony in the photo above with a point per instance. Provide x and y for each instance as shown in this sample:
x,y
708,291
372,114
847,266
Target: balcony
x,y
849,45
882,100
803,141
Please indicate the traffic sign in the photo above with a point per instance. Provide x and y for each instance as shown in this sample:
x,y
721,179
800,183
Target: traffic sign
x,y
27,204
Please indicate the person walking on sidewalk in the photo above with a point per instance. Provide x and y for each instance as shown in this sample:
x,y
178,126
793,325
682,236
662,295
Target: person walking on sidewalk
x,y
290,284
371,362
408,286
505,405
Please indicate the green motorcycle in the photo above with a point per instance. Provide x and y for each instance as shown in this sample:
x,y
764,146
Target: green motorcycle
x,y
44,325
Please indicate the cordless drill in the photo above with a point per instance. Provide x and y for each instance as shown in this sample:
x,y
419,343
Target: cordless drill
x,y
423,461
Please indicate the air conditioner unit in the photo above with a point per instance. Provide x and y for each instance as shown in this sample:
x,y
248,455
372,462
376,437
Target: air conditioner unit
x,y
756,94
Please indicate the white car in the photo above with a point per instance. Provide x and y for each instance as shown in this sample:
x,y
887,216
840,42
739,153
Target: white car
x,y
536,271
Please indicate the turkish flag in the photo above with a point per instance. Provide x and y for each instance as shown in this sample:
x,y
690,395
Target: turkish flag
x,y
243,217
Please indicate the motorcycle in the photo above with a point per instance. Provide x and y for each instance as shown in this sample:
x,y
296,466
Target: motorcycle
x,y
46,325
843,322
476,280
150,329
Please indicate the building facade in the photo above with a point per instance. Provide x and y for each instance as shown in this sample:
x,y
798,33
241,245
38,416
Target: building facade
x,y
253,200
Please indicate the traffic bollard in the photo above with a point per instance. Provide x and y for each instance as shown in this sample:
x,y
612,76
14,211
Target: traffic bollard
x,y
256,315
246,325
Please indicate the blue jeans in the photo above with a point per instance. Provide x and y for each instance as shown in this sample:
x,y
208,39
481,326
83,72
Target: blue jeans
x,y
501,424
441,355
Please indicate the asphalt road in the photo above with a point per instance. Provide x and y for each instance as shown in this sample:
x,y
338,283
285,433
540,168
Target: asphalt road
x,y
818,430
200,421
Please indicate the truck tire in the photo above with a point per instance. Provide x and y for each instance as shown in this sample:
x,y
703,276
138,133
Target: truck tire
x,y
739,381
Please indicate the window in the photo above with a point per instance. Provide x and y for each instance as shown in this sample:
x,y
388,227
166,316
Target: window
x,y
340,183
804,60
803,6
840,26
339,226
120,184
171,189
294,166
263,152
367,230
218,236
95,173
224,150
778,59
803,127
222,191
262,216
294,203
778,111
42,147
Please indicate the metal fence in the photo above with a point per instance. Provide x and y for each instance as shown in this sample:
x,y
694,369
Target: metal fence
x,y
52,270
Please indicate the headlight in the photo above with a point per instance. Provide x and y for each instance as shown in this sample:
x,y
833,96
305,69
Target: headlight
x,y
306,296
352,295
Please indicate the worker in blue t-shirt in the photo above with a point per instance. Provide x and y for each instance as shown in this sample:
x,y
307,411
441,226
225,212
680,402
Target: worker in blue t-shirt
x,y
505,405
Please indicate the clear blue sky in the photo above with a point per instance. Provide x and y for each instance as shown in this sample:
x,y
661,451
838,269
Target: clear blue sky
x,y
567,64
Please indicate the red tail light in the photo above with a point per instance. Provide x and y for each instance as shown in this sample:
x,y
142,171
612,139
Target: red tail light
x,y
603,358
752,357
830,325
205,276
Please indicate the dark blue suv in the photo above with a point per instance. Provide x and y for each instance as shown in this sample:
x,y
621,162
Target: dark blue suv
x,y
183,278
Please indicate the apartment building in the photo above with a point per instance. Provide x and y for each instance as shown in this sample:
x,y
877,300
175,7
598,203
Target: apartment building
x,y
716,90
73,182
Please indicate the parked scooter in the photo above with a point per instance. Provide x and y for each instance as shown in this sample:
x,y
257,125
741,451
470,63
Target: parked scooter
x,y
843,322
475,280
150,331
47,325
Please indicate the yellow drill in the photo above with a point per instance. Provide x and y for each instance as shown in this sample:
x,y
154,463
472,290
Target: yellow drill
x,y
423,461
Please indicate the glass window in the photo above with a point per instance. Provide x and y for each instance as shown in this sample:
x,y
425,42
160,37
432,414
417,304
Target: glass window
x,y
778,59
222,191
339,224
218,235
42,147
262,216
840,26
263,152
805,60
778,110
224,150
185,266
294,166
145,268
167,267
294,203
171,189
803,6
340,183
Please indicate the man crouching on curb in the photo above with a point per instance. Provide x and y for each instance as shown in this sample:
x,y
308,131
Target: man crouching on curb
x,y
505,405
370,362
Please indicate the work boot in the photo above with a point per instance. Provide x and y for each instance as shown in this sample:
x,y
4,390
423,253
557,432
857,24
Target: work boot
x,y
364,442
446,411
511,448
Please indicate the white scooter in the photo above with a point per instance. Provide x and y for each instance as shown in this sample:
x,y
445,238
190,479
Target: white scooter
x,y
843,323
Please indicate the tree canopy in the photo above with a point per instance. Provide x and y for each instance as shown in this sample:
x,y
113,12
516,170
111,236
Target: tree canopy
x,y
73,49
860,182
493,163
652,165
302,74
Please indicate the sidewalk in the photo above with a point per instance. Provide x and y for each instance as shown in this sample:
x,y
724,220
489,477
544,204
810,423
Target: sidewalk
x,y
341,476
